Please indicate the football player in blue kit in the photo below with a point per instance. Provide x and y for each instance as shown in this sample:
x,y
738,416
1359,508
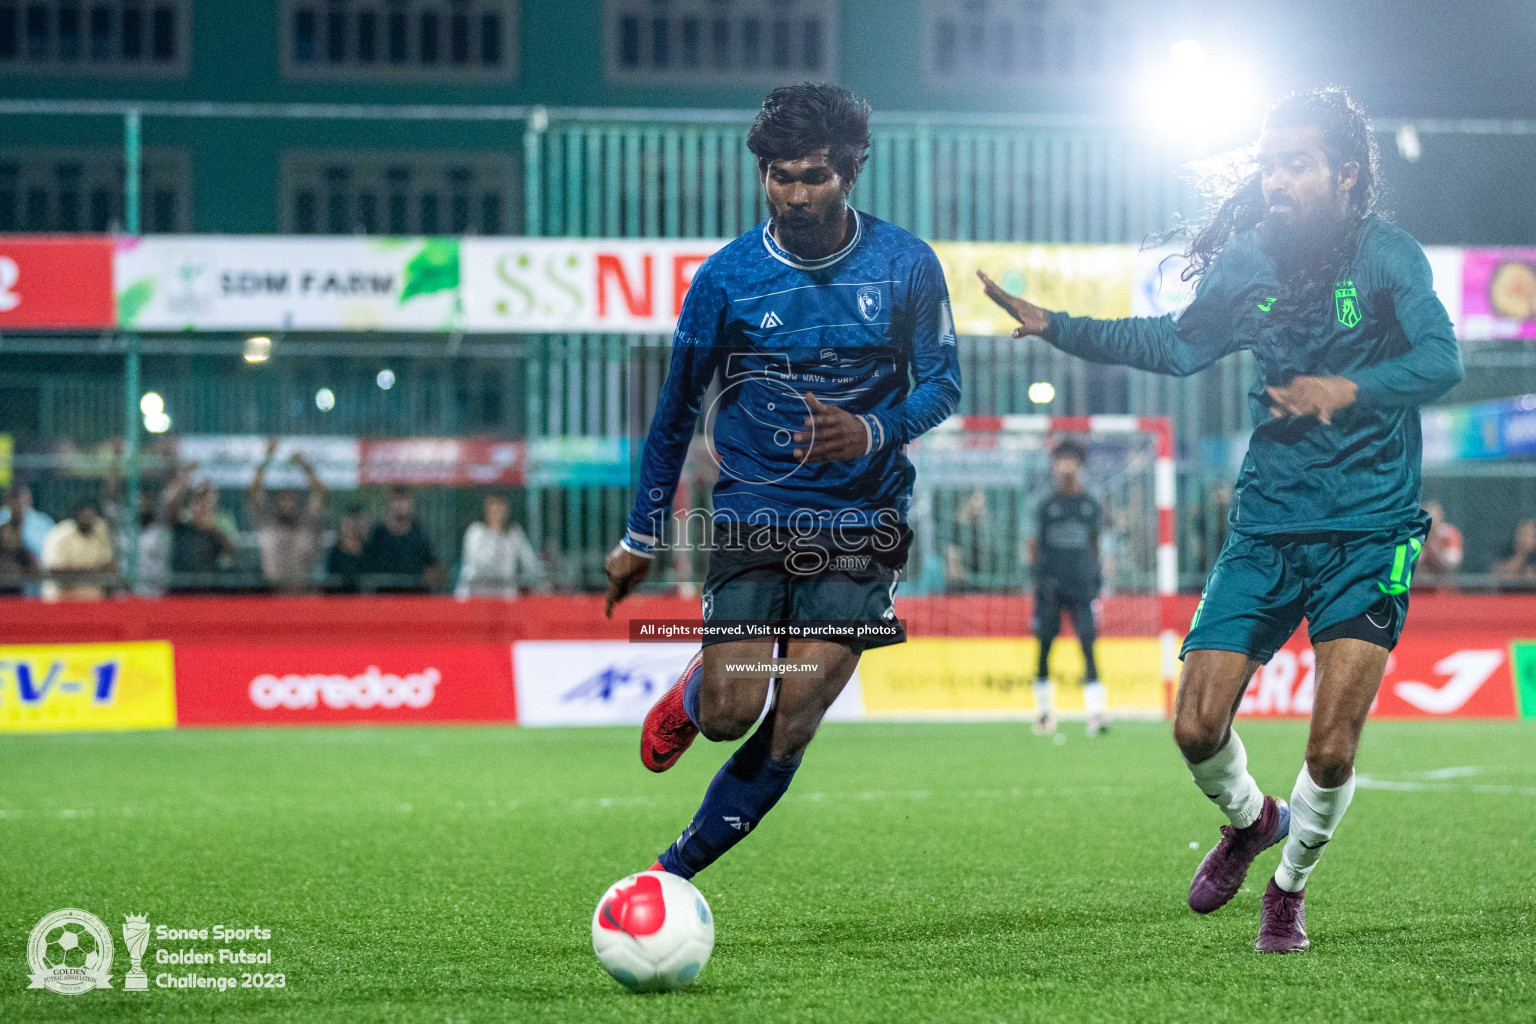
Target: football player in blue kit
x,y
832,335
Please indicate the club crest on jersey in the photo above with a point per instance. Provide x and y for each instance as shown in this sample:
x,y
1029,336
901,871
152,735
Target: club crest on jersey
x,y
869,302
1346,305
771,319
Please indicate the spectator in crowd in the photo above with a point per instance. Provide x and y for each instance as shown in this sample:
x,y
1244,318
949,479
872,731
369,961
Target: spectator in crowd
x,y
497,560
970,552
288,526
157,516
344,562
1441,557
34,525
18,566
1518,566
199,546
398,553
77,557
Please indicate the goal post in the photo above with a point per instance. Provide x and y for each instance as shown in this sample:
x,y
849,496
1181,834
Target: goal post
x,y
979,482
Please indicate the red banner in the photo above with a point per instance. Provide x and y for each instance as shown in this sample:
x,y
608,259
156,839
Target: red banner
x,y
1462,675
56,283
257,684
444,461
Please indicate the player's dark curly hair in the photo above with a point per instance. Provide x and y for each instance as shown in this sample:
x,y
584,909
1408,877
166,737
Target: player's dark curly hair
x,y
1347,135
1070,448
799,119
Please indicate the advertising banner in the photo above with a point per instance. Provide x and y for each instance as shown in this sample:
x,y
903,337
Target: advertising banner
x,y
214,282
230,460
1467,676
1499,293
990,676
611,682
1484,430
328,684
76,687
55,283
556,284
1522,655
1084,280
445,461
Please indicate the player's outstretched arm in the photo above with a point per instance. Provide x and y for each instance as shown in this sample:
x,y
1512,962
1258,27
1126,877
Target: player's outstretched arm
x,y
1202,334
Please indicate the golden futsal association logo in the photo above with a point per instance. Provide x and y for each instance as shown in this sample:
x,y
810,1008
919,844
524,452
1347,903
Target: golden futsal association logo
x,y
70,952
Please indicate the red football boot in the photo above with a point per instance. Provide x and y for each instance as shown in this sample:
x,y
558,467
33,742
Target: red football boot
x,y
668,731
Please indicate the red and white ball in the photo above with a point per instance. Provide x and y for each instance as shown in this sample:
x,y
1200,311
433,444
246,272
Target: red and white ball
x,y
653,932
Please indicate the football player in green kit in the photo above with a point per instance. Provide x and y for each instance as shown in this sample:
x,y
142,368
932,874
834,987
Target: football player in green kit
x,y
1337,306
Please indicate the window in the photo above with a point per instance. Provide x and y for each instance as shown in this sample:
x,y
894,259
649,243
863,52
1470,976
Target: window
x,y
399,40
712,42
81,189
95,37
343,193
1043,41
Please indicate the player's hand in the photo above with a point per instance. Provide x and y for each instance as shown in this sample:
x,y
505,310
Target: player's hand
x,y
830,434
626,571
1312,396
1032,319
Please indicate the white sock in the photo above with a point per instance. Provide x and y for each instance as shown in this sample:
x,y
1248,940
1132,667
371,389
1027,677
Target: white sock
x,y
1315,813
1042,688
1224,778
1095,697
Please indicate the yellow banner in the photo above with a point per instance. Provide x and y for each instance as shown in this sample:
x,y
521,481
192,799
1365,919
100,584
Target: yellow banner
x,y
983,675
1084,280
74,687
7,447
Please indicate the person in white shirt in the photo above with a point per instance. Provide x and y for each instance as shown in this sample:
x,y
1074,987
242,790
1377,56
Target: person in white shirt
x,y
497,560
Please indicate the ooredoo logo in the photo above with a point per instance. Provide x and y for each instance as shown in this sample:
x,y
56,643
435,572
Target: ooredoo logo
x,y
371,689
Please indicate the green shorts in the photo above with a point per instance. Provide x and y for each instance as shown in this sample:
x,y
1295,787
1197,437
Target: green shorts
x,y
1343,584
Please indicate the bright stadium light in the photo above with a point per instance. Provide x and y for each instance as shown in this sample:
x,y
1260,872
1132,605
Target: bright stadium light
x,y
1193,97
385,380
1042,392
151,404
258,348
325,399
157,422
1408,145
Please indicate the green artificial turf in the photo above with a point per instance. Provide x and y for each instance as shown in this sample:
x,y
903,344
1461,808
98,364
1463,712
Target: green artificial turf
x,y
966,872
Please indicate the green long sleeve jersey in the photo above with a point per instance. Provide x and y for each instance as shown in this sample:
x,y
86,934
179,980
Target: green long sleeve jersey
x,y
1386,331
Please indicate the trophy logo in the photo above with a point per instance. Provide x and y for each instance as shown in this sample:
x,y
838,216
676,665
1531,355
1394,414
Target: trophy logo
x,y
135,937
70,952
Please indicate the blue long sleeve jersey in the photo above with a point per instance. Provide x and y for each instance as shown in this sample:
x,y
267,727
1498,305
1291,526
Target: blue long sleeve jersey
x,y
1386,331
867,328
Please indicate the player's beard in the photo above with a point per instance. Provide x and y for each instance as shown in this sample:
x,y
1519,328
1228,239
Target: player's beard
x,y
807,235
1300,245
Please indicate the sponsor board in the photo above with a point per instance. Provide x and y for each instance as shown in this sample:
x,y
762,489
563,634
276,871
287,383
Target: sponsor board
x,y
980,676
213,282
76,687
1522,655
326,684
230,460
58,283
1089,280
611,682
545,284
1499,293
1426,677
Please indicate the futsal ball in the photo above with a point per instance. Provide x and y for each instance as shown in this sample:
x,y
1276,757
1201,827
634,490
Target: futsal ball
x,y
653,932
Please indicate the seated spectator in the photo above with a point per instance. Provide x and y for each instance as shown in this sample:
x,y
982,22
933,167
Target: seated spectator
x,y
1518,566
157,516
77,557
344,562
34,525
288,526
1442,553
398,554
18,566
199,547
497,560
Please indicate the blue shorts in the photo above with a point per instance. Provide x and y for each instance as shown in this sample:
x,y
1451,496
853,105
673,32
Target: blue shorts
x,y
1343,584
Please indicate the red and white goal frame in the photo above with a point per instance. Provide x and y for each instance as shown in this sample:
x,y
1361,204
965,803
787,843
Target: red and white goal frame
x,y
1160,428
